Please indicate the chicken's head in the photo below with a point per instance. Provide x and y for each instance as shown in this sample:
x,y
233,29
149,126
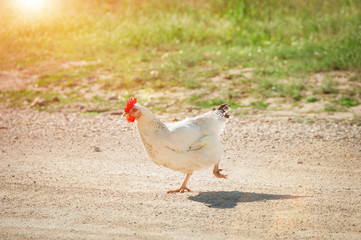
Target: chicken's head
x,y
132,112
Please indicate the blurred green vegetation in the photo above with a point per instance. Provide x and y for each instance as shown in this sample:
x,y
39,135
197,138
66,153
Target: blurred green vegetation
x,y
159,44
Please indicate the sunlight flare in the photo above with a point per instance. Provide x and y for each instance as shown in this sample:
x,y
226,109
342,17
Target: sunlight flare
x,y
31,5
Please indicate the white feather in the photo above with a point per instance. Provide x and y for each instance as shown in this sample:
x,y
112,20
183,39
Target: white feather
x,y
184,146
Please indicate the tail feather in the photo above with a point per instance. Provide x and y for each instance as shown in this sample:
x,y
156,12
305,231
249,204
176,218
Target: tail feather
x,y
223,110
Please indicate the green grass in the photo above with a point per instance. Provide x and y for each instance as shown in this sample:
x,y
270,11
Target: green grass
x,y
161,44
328,86
214,102
348,101
259,105
311,99
17,98
272,87
330,108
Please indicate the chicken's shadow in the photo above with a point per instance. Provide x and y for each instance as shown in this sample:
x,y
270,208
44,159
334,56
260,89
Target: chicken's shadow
x,y
230,199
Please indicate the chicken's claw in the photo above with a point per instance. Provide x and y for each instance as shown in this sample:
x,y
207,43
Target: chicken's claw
x,y
220,175
181,190
217,172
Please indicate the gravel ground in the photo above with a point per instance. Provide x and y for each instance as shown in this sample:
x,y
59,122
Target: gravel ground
x,y
83,176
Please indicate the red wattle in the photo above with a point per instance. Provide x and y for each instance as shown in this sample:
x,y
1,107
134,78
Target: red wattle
x,y
130,118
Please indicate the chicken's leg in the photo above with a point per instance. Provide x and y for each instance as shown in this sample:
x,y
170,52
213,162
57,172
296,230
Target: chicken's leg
x,y
216,172
183,187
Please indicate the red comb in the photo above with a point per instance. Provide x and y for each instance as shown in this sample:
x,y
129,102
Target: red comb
x,y
130,104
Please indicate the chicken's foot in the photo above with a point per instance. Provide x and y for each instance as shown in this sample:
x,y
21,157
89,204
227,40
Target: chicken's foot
x,y
181,190
217,172
183,187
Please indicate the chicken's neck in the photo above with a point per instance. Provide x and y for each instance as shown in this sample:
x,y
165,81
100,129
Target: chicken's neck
x,y
149,124
150,129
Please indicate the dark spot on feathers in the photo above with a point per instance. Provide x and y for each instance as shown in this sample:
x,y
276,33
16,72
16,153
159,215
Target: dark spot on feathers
x,y
222,110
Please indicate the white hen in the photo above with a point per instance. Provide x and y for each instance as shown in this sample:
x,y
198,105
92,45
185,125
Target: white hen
x,y
184,146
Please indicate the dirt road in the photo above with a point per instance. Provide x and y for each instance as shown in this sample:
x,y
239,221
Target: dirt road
x,y
79,176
